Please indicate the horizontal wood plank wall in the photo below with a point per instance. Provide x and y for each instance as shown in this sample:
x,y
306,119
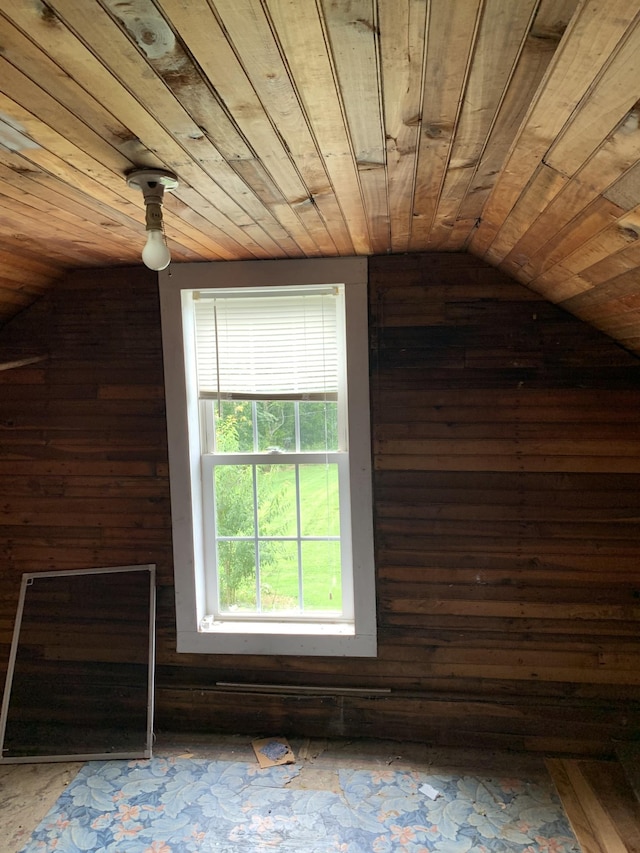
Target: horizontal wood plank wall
x,y
507,489
507,499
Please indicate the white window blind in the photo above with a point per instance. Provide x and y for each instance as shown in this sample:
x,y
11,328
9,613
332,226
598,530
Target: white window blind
x,y
274,346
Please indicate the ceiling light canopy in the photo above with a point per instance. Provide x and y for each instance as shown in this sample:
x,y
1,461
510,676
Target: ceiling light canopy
x,y
153,183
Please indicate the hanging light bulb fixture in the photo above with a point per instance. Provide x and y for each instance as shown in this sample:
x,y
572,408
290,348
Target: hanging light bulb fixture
x,y
153,183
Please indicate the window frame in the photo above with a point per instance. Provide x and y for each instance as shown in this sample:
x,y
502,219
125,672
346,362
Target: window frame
x,y
264,636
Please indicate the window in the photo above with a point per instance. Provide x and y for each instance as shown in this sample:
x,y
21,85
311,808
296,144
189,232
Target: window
x,y
274,456
266,377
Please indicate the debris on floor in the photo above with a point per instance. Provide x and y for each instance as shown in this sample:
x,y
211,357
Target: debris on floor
x,y
272,751
429,791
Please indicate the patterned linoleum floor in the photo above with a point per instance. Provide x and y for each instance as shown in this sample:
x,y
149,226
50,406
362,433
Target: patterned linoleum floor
x,y
180,804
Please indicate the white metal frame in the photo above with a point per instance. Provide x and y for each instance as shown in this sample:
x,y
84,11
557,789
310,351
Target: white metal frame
x,y
6,699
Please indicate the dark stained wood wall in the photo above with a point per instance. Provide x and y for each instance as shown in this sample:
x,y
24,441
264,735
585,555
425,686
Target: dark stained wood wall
x,y
507,507
506,441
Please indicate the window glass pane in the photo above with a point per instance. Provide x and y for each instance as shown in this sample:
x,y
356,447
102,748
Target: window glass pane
x,y
277,514
234,426
318,425
279,576
319,500
237,576
321,576
276,425
234,500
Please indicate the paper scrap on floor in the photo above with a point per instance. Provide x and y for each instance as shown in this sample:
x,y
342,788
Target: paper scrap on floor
x,y
430,791
272,751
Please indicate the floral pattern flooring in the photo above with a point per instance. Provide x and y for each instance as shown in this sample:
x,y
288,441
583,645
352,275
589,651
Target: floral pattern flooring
x,y
187,805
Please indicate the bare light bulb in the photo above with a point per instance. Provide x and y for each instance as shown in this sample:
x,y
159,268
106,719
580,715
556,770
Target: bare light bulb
x,y
156,254
153,183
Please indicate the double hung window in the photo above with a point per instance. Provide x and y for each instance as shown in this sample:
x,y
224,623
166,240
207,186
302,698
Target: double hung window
x,y
269,364
267,411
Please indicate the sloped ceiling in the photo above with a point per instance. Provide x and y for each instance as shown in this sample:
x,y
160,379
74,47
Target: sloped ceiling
x,y
508,128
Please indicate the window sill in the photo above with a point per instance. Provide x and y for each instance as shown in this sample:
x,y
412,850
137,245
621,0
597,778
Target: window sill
x,y
279,638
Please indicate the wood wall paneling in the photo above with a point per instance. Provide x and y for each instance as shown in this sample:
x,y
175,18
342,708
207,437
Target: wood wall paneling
x,y
507,499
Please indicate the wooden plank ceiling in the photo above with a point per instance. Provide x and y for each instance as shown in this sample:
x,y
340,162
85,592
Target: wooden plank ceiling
x,y
508,128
